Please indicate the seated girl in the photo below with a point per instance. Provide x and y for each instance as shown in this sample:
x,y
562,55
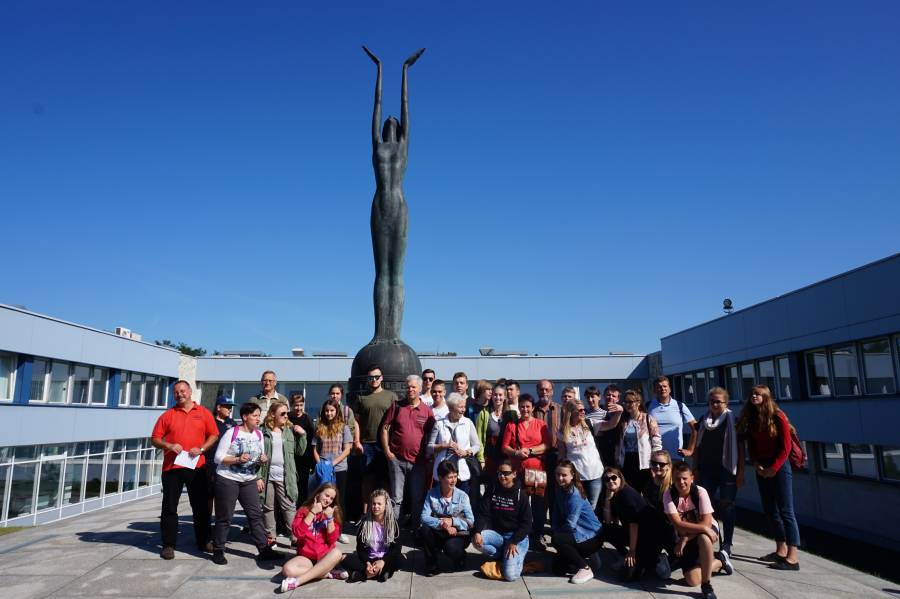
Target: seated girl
x,y
502,525
691,513
576,529
630,525
377,542
317,527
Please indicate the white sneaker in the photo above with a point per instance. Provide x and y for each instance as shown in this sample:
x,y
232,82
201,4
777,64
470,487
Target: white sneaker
x,y
582,576
343,540
339,574
727,566
288,584
663,568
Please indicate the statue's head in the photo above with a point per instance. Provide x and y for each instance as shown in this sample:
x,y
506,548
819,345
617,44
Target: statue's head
x,y
390,131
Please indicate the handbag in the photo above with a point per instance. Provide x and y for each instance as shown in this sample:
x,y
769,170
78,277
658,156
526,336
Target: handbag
x,y
472,462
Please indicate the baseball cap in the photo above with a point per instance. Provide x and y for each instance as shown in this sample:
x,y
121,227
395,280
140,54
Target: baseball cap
x,y
224,400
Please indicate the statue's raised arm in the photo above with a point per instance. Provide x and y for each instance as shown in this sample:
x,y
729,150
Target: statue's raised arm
x,y
376,114
404,101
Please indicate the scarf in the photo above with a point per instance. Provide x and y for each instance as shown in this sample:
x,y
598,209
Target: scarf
x,y
729,447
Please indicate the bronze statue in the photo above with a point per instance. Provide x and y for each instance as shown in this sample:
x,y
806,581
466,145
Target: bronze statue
x,y
390,151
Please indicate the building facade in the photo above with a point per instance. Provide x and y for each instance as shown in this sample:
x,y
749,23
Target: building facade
x,y
830,353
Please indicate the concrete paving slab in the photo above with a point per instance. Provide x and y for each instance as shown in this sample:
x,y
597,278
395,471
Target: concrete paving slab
x,y
58,561
126,578
28,586
802,585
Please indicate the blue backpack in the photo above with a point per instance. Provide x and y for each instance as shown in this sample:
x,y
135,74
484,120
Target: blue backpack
x,y
324,473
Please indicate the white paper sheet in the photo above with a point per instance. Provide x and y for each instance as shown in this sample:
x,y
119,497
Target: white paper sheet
x,y
185,460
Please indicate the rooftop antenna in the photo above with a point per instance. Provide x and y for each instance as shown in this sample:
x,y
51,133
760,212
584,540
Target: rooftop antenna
x,y
727,305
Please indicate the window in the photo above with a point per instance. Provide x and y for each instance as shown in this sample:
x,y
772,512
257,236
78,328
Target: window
x,y
135,386
38,379
113,472
48,486
676,386
862,461
748,378
99,381
129,478
21,490
784,378
150,392
878,367
81,383
733,383
846,370
817,373
94,477
767,375
689,394
7,379
833,458
700,380
73,480
711,379
162,393
890,463
59,382
123,388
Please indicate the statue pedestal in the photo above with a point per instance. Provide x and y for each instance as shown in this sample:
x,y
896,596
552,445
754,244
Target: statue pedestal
x,y
396,359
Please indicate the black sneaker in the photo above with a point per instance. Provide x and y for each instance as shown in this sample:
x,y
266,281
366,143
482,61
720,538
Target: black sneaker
x,y
167,553
356,576
707,591
219,558
432,570
267,554
385,576
783,564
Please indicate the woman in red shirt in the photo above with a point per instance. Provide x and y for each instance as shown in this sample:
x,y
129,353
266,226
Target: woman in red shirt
x,y
317,527
526,441
768,436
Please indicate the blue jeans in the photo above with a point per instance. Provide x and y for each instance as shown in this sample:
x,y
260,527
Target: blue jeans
x,y
777,497
592,490
495,544
725,483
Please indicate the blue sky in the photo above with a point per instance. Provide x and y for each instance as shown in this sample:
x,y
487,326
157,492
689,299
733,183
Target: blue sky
x,y
583,177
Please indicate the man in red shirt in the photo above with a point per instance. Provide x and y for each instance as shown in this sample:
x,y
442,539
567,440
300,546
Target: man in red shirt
x,y
404,436
189,428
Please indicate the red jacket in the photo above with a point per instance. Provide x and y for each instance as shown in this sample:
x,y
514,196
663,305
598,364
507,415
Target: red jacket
x,y
314,540
770,451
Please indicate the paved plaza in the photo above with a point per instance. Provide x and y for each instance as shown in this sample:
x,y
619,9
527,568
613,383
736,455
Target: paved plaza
x,y
114,553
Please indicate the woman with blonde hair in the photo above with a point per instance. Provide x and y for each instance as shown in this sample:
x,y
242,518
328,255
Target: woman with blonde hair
x,y
768,435
638,437
577,444
285,444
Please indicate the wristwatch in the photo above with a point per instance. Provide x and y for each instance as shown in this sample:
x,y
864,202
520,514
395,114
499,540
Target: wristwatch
x,y
530,452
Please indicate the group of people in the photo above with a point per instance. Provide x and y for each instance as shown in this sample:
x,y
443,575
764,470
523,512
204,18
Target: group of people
x,y
484,469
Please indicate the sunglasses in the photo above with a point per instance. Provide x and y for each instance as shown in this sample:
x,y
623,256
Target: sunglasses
x,y
281,414
428,378
581,411
658,464
373,377
505,472
611,478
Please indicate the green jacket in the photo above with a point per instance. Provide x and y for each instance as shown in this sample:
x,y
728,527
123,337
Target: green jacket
x,y
293,446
